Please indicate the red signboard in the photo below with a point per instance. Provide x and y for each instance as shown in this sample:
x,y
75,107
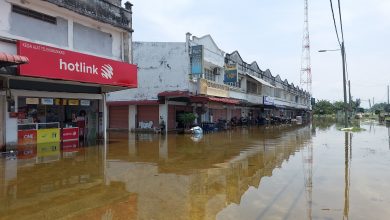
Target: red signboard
x,y
69,134
55,63
26,137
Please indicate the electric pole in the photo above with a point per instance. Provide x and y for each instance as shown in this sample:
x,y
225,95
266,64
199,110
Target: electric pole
x,y
350,97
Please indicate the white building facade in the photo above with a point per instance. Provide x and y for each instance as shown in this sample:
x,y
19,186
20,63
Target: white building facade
x,y
197,76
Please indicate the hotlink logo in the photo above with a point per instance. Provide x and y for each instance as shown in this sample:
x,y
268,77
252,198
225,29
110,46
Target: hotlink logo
x,y
107,71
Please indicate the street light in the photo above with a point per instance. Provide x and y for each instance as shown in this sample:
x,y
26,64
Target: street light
x,y
321,51
342,49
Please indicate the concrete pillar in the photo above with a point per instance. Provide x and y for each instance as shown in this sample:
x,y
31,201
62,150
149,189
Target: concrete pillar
x,y
11,124
229,112
163,114
132,117
105,116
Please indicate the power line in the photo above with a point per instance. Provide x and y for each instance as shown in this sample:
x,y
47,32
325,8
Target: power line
x,y
341,23
334,22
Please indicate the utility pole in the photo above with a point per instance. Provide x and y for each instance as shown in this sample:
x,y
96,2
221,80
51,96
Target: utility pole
x,y
344,86
388,94
350,97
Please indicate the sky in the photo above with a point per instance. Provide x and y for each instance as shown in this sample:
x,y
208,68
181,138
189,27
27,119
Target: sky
x,y
270,32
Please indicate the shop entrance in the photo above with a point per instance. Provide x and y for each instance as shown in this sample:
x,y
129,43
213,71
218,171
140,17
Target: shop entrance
x,y
42,120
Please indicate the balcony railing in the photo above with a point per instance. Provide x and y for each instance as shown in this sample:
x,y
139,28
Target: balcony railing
x,y
99,10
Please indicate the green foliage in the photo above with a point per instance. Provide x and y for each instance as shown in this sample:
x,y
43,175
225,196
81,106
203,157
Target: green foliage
x,y
378,107
323,107
338,106
387,108
187,119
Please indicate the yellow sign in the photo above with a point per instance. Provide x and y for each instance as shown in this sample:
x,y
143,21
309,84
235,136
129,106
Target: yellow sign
x,y
32,101
73,102
48,135
48,149
57,101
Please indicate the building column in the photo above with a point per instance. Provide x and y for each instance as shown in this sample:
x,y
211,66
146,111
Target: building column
x,y
163,113
105,116
132,117
230,108
11,124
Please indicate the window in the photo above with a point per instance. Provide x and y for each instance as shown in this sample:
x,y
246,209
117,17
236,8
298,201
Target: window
x,y
251,87
34,14
277,93
209,75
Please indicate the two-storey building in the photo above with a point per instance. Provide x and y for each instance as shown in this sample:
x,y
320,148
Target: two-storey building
x,y
197,76
58,59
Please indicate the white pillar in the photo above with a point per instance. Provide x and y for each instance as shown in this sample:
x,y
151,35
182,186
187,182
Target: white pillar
x,y
105,121
11,124
132,117
163,112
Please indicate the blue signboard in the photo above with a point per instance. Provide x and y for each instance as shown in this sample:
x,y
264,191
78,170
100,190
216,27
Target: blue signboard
x,y
267,100
197,59
231,74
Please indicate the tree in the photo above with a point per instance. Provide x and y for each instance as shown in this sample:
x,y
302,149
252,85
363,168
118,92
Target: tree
x,y
387,108
378,107
338,106
323,107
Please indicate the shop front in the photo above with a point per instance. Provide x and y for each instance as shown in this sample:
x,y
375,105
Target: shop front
x,y
59,96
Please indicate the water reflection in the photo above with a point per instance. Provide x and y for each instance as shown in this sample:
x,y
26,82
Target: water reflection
x,y
246,173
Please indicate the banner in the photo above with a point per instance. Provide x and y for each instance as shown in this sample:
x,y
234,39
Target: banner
x,y
54,63
197,59
231,73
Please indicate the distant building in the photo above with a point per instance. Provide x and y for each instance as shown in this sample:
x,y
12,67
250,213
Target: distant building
x,y
68,54
197,76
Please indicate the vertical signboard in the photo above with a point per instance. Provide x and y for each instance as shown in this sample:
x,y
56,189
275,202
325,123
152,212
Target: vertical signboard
x,y
197,59
231,73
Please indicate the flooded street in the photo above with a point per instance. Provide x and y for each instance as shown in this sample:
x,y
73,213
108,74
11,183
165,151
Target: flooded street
x,y
282,172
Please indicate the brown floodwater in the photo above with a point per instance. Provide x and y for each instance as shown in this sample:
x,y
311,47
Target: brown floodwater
x,y
282,172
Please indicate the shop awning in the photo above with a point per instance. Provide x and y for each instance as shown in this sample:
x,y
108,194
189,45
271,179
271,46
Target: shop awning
x,y
262,81
11,59
133,102
205,99
176,93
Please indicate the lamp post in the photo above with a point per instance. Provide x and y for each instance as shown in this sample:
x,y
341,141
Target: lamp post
x,y
342,49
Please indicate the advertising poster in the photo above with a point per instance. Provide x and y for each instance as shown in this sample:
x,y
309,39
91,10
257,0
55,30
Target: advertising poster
x,y
48,135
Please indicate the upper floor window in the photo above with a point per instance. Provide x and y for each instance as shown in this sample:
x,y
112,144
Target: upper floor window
x,y
252,87
209,75
34,14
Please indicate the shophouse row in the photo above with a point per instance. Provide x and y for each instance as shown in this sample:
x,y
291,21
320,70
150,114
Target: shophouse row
x,y
197,76
58,59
